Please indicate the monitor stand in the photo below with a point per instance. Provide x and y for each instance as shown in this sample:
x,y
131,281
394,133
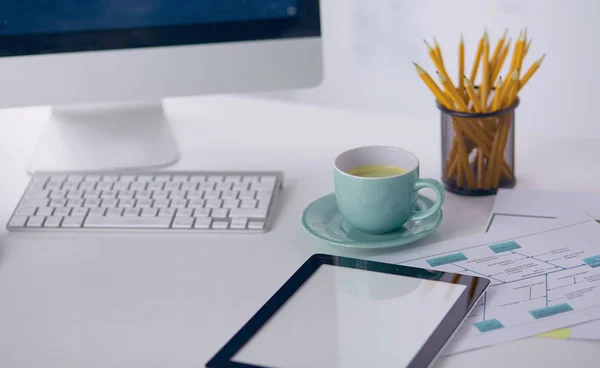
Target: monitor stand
x,y
105,137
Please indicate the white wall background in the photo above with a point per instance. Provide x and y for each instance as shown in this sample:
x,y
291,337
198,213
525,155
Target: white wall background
x,y
369,46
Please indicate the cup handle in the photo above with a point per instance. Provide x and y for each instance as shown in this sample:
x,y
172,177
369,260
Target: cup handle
x,y
434,185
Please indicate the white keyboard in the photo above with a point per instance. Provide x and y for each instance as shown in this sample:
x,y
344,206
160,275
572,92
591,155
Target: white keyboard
x,y
189,201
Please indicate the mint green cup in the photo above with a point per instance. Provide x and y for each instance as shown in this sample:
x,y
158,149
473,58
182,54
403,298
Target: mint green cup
x,y
381,205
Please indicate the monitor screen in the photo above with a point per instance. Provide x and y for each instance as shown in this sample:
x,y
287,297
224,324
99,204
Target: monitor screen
x,y
345,318
40,26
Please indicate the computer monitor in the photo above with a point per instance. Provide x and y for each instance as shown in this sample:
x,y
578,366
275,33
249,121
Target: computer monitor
x,y
105,65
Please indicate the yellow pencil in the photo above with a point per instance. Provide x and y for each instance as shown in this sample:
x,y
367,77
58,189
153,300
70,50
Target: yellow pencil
x,y
522,52
477,60
498,49
485,81
497,93
473,95
510,91
438,52
527,48
461,65
501,59
515,55
530,72
436,61
452,91
433,87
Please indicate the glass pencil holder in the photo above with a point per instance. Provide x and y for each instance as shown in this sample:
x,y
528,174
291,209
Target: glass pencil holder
x,y
478,150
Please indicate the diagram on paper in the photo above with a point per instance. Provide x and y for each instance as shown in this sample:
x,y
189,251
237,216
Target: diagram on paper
x,y
533,278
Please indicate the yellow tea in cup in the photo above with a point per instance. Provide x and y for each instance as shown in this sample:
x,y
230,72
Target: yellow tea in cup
x,y
376,171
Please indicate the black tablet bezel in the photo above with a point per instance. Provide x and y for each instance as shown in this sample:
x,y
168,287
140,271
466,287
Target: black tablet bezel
x,y
306,23
475,287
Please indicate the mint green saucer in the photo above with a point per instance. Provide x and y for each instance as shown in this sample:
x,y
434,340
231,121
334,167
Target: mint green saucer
x,y
323,220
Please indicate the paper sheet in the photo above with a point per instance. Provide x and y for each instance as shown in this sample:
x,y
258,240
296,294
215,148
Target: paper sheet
x,y
541,281
515,209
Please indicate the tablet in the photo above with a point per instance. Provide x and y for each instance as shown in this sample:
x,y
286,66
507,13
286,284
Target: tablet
x,y
346,313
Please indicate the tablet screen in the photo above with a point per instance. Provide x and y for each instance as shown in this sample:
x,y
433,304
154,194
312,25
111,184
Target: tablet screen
x,y
345,317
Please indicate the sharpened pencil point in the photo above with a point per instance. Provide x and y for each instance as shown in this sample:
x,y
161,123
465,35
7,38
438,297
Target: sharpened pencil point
x,y
499,83
419,69
467,81
462,40
505,33
441,77
435,43
539,62
515,75
429,48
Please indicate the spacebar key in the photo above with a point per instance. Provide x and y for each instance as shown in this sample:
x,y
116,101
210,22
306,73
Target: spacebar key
x,y
128,222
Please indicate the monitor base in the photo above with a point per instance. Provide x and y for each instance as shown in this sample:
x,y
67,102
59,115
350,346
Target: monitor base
x,y
105,137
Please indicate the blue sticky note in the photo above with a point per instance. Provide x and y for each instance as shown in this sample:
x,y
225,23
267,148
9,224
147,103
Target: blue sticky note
x,y
505,247
593,261
488,325
550,311
450,258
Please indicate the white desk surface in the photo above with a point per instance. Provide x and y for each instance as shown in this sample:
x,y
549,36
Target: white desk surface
x,y
172,300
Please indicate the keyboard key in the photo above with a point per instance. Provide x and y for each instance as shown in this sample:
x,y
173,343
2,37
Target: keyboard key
x,y
75,194
111,202
213,203
262,194
104,185
180,178
160,194
261,185
53,185
207,185
75,178
91,194
87,185
219,213
121,185
128,222
256,225
128,178
35,221
240,186
162,178
155,186
161,203
138,186
25,211
166,212
247,194
94,178
131,212
248,203
216,178
144,203
212,194
74,221
44,211
149,211
37,186
91,203
202,223
108,194
55,194
179,194
143,194
53,221
233,178
97,212
202,212
268,179
172,186
110,178
229,194
196,203
224,186
250,178
79,211
70,185
39,202
114,212
220,224
38,194
239,223
248,212
195,194
185,212
145,178
58,202
231,203
183,222
62,211
74,202
190,185
125,194
198,178
18,221
263,203
127,203
179,203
